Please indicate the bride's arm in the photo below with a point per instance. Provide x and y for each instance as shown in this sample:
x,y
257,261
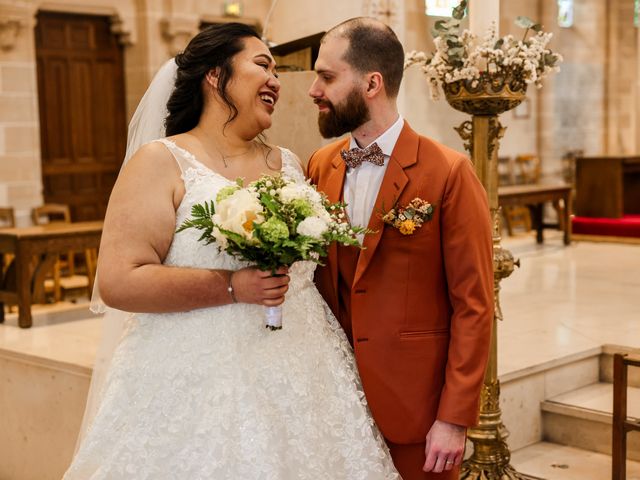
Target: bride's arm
x,y
138,230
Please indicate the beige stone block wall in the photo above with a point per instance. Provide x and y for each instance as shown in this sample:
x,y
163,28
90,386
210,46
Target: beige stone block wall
x,y
20,182
150,33
622,104
432,118
295,121
572,111
572,108
292,19
521,136
42,407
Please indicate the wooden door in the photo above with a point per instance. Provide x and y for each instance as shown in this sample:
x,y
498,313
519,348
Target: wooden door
x,y
82,111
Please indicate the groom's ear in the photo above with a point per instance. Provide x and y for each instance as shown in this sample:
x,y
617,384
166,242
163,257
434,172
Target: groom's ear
x,y
212,77
375,84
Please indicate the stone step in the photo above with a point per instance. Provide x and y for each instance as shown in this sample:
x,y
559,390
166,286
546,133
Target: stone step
x,y
582,418
551,461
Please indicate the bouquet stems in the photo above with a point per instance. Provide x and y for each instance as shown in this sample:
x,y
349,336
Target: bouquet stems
x,y
273,320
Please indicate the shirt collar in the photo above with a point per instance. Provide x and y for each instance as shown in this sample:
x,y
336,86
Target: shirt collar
x,y
387,140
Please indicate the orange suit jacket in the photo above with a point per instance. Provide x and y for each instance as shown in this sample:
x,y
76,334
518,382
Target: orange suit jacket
x,y
421,304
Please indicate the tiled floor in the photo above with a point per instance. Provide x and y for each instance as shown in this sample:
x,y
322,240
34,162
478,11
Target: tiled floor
x,y
555,462
565,300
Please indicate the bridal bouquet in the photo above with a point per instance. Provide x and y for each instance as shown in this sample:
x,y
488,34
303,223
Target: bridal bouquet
x,y
463,57
272,223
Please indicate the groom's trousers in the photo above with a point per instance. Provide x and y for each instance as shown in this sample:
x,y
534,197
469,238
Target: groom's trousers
x,y
409,460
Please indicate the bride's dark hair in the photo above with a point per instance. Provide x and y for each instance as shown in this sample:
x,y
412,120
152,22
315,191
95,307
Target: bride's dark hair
x,y
213,47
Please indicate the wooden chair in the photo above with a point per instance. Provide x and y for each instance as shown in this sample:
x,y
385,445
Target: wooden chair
x,y
7,217
527,171
58,213
7,220
529,168
506,174
621,424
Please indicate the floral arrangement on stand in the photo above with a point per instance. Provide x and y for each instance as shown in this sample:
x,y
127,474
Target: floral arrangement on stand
x,y
490,62
272,223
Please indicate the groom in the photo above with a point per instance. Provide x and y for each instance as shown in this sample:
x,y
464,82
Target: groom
x,y
417,302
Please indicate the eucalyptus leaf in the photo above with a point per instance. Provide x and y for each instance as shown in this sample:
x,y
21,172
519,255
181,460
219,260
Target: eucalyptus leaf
x,y
537,27
499,44
524,22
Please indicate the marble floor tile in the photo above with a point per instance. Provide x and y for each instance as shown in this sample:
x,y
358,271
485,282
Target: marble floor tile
x,y
566,299
556,462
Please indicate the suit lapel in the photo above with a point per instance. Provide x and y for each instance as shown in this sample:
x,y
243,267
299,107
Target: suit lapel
x,y
332,187
404,154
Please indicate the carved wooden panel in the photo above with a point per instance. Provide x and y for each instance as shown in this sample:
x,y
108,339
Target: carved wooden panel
x,y
82,110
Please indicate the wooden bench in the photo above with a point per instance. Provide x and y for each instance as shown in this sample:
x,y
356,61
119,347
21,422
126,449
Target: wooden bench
x,y
34,250
535,196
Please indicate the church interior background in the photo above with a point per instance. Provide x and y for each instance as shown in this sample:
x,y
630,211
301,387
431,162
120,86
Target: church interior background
x,y
73,71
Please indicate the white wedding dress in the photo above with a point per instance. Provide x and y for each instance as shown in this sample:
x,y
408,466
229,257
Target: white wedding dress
x,y
212,394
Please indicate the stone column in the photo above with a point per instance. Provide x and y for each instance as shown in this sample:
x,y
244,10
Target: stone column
x,y
20,174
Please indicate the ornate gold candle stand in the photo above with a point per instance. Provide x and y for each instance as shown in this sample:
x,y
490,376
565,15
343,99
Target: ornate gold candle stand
x,y
485,101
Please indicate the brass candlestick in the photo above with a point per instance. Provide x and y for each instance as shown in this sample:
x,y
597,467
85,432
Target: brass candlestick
x,y
485,100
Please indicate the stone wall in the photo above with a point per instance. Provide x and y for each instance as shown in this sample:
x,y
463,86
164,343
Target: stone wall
x,y
150,31
622,80
20,176
592,105
572,106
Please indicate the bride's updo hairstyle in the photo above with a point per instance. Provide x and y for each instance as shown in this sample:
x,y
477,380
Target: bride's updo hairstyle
x,y
213,47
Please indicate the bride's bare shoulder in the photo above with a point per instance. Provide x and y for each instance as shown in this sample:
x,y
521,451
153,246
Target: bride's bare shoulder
x,y
154,158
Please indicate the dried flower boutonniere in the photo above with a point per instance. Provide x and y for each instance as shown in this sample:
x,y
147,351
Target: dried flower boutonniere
x,y
410,217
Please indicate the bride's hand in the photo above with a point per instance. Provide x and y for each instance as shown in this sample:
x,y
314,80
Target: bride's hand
x,y
251,285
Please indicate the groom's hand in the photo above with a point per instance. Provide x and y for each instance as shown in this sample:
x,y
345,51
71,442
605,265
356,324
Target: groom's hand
x,y
445,447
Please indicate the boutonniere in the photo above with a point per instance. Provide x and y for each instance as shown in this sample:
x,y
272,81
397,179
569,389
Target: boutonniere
x,y
410,217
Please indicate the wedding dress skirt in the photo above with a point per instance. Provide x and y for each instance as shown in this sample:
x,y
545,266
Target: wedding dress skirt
x,y
212,394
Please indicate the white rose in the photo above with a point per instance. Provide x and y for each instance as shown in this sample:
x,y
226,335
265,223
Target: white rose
x,y
312,227
291,192
312,194
322,213
237,213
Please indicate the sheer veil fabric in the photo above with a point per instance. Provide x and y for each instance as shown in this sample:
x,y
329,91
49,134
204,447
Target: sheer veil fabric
x,y
147,124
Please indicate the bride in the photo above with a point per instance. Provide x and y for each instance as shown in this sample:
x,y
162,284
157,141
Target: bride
x,y
197,388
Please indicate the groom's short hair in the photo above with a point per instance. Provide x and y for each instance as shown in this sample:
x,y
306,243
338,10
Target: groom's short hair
x,y
373,47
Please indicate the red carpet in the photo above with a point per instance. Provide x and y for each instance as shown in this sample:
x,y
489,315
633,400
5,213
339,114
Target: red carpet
x,y
627,226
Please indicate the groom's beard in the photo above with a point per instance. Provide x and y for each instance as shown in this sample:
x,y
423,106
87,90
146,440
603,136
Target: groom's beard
x,y
344,117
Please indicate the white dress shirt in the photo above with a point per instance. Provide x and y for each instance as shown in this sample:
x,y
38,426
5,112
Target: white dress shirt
x,y
361,184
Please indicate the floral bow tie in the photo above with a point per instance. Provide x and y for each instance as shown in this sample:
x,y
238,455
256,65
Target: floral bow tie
x,y
354,157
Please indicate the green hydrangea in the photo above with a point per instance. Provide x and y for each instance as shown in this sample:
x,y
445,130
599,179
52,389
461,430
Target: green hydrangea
x,y
226,192
274,230
302,207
